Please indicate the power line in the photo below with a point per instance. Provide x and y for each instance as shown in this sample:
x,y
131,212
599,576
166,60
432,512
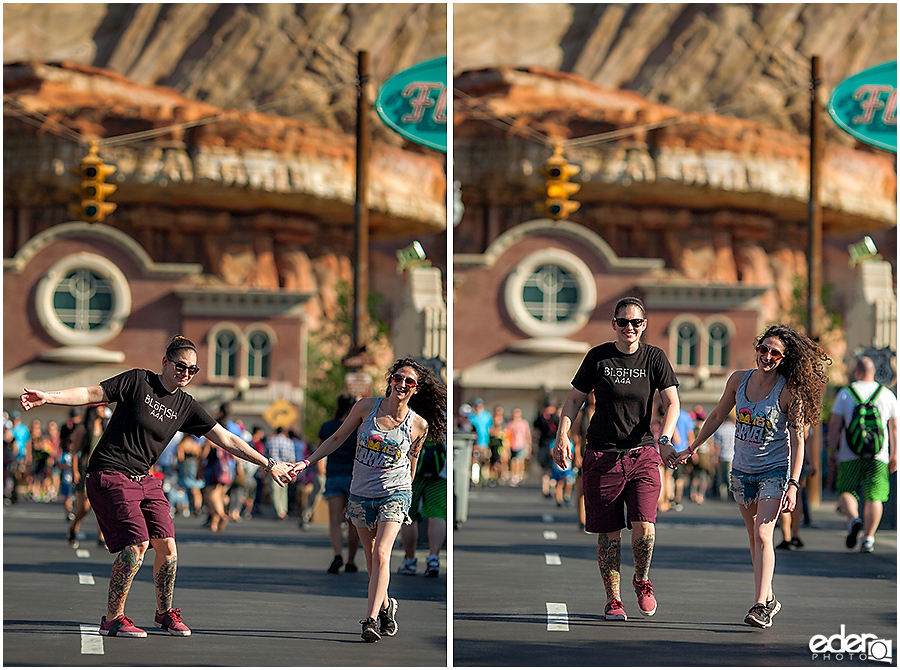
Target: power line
x,y
605,137
40,120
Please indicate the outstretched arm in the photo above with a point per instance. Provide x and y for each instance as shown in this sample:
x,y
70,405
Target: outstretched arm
x,y
79,395
219,435
357,414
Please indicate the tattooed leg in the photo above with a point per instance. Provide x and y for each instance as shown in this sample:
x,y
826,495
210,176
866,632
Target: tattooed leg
x,y
124,568
164,568
642,548
609,557
165,583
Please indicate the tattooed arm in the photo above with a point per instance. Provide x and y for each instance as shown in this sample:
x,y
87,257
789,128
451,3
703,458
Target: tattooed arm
x,y
420,426
80,395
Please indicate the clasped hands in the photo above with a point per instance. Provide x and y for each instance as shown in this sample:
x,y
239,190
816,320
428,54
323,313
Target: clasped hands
x,y
284,473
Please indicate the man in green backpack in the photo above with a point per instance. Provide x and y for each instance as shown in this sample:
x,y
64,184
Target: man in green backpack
x,y
862,438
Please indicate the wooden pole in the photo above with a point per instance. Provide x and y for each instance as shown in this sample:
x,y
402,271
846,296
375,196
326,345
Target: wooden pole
x,y
814,256
361,209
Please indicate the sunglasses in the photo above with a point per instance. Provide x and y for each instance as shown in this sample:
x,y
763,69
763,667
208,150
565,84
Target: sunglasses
x,y
400,379
774,354
181,368
636,323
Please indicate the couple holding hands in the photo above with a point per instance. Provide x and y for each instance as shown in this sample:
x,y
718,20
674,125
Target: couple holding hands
x,y
133,512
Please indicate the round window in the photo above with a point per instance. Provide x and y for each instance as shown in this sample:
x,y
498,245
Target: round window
x,y
551,294
83,300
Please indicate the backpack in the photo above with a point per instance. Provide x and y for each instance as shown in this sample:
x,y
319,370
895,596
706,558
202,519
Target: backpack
x,y
865,432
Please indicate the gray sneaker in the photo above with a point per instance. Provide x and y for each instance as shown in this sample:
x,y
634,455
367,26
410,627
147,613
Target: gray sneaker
x,y
759,616
370,630
408,566
867,546
773,607
387,618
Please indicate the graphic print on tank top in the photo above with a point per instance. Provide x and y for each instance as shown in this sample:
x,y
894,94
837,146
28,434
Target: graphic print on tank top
x,y
380,449
754,424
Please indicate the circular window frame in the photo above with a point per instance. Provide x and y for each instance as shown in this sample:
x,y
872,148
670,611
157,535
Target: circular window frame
x,y
587,294
100,266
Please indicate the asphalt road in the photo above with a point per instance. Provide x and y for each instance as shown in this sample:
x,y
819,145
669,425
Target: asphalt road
x,y
527,590
256,595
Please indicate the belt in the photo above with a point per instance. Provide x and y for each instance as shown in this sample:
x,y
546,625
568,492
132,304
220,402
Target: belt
x,y
621,452
134,478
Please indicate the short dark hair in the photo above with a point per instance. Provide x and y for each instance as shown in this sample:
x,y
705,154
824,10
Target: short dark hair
x,y
630,300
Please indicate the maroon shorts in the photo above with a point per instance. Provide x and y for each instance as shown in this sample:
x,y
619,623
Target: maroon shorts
x,y
613,481
129,512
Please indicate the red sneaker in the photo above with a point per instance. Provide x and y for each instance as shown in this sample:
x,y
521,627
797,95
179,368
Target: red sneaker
x,y
121,626
615,611
645,598
171,622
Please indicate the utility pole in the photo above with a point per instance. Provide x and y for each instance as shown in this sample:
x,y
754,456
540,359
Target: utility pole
x,y
814,261
361,210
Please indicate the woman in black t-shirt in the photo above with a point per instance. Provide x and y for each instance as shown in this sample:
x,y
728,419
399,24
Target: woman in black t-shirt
x,y
129,503
621,465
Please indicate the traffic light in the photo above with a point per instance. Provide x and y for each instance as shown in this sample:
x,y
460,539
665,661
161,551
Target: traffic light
x,y
92,192
558,188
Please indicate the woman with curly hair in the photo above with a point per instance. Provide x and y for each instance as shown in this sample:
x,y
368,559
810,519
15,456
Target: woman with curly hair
x,y
775,404
390,433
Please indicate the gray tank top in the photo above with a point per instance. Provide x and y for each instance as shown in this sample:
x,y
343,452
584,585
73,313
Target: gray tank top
x,y
760,436
381,465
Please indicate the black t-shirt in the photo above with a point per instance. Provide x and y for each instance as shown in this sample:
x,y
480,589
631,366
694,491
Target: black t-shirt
x,y
546,428
144,421
623,386
340,461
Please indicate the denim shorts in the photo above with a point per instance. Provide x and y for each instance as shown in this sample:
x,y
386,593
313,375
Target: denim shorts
x,y
748,489
337,485
367,512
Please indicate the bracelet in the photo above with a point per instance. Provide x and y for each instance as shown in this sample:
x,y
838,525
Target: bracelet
x,y
794,482
307,463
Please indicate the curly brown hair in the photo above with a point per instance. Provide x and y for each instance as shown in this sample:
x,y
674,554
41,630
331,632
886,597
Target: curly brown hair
x,y
430,399
803,366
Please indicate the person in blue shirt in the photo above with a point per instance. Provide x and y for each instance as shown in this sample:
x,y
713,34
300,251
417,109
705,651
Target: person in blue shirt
x,y
482,421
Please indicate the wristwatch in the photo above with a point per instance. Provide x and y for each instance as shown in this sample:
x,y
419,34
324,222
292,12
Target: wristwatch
x,y
663,440
271,464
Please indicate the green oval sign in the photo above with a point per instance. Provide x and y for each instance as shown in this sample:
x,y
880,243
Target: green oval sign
x,y
413,103
865,106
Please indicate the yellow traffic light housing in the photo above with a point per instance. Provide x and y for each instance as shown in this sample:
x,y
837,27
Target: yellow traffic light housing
x,y
92,192
557,189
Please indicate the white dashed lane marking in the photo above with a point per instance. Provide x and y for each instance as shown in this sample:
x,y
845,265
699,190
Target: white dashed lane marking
x,y
552,559
82,553
91,642
85,578
549,534
557,617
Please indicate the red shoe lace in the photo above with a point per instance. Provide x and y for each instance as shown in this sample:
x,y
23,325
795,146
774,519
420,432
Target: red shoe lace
x,y
645,588
174,614
126,620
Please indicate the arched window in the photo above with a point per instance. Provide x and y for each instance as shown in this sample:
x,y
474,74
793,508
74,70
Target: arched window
x,y
550,294
688,339
84,299
227,346
719,344
259,351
